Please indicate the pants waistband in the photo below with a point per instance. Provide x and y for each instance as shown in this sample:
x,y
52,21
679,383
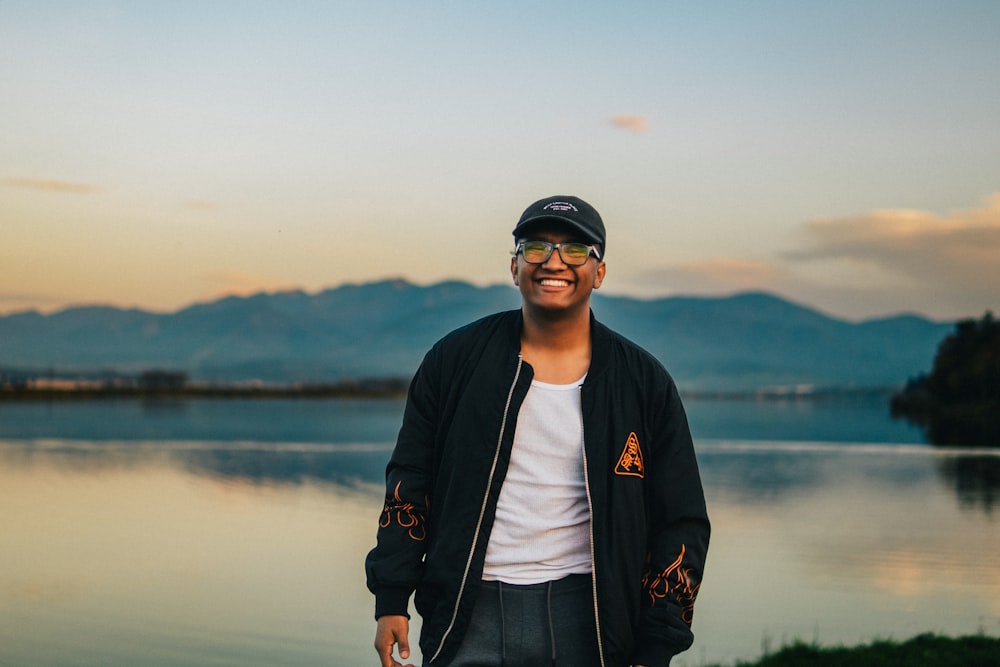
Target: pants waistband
x,y
571,581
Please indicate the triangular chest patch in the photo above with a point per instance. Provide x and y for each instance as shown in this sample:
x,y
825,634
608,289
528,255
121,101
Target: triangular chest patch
x,y
630,462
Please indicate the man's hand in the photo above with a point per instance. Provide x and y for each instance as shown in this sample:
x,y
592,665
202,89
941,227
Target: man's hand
x,y
392,630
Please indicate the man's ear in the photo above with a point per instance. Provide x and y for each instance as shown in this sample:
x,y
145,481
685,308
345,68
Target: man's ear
x,y
513,270
599,275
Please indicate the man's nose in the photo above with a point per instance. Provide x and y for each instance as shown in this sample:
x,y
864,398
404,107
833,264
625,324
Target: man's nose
x,y
555,260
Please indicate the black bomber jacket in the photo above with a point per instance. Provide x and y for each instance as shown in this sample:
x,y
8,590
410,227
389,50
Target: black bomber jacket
x,y
649,525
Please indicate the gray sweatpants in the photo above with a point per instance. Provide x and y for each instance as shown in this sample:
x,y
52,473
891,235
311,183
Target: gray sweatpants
x,y
532,626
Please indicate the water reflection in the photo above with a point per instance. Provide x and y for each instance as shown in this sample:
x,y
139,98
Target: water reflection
x,y
341,465
264,464
762,472
975,479
840,544
119,554
232,533
190,553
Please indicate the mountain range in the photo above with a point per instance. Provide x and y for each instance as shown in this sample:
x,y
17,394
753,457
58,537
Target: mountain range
x,y
746,342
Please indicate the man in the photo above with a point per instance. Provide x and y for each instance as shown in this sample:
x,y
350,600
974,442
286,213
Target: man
x,y
543,498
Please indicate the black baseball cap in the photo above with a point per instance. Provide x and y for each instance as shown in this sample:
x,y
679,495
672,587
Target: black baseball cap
x,y
571,210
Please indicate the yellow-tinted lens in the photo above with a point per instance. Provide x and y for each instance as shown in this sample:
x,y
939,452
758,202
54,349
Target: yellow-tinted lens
x,y
574,253
536,252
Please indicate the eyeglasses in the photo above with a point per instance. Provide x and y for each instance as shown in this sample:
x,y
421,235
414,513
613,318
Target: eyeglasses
x,y
538,252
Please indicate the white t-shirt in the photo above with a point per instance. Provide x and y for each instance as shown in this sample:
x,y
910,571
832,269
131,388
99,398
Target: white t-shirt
x,y
542,527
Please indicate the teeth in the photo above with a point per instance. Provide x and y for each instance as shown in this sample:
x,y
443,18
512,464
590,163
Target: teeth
x,y
552,282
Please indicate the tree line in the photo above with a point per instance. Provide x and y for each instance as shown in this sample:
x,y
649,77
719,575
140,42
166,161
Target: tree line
x,y
958,401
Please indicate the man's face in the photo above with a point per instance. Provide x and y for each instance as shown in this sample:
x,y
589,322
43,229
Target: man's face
x,y
555,286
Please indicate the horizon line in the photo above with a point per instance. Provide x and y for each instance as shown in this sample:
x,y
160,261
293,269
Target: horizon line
x,y
81,305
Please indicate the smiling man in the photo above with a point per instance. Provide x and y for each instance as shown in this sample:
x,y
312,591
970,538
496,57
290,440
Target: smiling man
x,y
543,498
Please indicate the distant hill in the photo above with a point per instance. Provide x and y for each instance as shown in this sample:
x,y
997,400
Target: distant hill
x,y
739,343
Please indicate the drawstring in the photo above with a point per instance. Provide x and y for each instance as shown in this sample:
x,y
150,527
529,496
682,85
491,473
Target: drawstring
x,y
503,623
552,630
503,627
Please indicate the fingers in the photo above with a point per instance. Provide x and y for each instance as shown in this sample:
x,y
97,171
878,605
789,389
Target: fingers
x,y
392,631
403,642
384,642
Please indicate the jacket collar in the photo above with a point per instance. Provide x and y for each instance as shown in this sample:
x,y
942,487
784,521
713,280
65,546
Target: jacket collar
x,y
600,338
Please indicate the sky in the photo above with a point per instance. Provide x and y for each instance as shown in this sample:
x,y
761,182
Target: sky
x,y
843,155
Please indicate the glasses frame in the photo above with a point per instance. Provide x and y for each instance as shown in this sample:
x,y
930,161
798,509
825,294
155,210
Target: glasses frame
x,y
557,247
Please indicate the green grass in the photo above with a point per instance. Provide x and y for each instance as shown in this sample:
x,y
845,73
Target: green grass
x,y
926,650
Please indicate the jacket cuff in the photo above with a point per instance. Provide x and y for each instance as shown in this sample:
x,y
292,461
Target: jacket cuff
x,y
655,653
390,601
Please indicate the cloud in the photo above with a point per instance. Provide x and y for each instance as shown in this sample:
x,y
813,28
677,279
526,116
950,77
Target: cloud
x,y
51,185
959,251
633,123
870,265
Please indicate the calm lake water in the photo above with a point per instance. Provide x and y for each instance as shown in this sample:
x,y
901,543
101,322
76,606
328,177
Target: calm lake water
x,y
233,532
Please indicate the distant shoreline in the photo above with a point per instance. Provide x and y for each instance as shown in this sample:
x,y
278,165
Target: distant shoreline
x,y
388,388
368,389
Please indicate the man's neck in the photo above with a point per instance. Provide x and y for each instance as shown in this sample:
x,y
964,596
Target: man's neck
x,y
558,348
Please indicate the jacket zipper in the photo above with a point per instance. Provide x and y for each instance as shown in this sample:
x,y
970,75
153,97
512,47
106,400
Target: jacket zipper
x,y
482,512
593,558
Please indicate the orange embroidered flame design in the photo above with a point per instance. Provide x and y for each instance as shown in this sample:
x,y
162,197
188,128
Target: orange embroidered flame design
x,y
405,516
630,462
674,581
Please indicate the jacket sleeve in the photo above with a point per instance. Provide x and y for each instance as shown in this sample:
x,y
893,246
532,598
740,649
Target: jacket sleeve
x,y
394,567
678,536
